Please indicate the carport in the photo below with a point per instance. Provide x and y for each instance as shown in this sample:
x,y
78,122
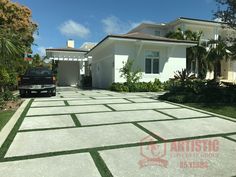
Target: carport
x,y
71,64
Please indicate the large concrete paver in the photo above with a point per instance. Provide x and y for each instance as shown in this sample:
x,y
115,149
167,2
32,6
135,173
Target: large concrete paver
x,y
38,142
136,106
184,113
49,103
59,166
121,162
141,162
105,101
60,99
141,100
40,122
115,97
187,128
118,117
66,110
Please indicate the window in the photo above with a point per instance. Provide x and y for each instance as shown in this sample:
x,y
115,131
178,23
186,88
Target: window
x,y
157,33
151,62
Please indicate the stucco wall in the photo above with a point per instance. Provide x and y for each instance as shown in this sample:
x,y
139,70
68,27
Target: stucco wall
x,y
102,67
232,71
172,59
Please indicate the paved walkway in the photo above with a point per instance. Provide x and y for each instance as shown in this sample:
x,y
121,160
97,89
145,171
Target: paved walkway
x,y
103,133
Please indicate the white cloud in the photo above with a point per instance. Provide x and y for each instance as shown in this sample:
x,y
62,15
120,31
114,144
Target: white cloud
x,y
36,36
71,28
113,25
41,50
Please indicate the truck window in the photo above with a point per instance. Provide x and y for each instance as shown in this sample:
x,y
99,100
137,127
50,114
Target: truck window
x,y
39,72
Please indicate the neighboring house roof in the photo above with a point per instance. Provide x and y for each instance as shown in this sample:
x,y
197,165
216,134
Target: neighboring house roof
x,y
178,20
144,37
200,20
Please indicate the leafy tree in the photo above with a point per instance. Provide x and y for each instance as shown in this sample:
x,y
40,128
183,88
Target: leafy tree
x,y
226,12
16,37
17,19
37,61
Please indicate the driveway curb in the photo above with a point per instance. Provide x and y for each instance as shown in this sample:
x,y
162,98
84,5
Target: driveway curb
x,y
11,123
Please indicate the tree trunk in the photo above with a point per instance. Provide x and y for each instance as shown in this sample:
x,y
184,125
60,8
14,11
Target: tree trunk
x,y
196,68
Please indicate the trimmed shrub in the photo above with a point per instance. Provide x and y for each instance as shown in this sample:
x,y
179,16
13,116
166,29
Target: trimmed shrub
x,y
198,91
138,87
119,87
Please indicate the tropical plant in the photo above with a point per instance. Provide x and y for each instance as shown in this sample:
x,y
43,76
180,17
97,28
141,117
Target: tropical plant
x,y
195,54
183,76
131,76
218,51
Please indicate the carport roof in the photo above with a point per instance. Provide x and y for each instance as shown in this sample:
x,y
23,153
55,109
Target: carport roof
x,y
66,54
145,37
67,50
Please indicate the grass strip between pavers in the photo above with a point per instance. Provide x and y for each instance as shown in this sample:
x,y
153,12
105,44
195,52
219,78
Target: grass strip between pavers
x,y
75,120
55,114
100,164
95,104
129,100
110,147
109,107
166,114
159,139
11,136
229,138
66,103
76,151
107,124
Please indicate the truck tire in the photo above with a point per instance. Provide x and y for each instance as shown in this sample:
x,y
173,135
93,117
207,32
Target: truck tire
x,y
54,93
22,93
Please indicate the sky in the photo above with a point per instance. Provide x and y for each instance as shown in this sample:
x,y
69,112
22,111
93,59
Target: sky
x,y
91,20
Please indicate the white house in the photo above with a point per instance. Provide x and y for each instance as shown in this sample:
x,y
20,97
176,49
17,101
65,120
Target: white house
x,y
152,53
71,62
156,57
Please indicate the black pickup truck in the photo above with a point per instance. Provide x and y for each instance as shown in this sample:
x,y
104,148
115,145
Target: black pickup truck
x,y
37,79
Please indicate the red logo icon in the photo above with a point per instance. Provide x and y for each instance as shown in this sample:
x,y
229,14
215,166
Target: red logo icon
x,y
153,154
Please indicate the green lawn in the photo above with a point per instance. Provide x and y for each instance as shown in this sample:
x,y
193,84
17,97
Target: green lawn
x,y
223,109
5,117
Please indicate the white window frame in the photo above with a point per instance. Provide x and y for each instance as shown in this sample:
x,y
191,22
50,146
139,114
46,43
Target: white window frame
x,y
152,59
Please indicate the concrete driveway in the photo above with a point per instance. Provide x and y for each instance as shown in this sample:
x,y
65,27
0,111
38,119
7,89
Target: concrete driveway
x,y
103,133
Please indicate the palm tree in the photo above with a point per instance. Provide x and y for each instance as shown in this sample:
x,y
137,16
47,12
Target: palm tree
x,y
8,47
218,51
195,54
9,50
